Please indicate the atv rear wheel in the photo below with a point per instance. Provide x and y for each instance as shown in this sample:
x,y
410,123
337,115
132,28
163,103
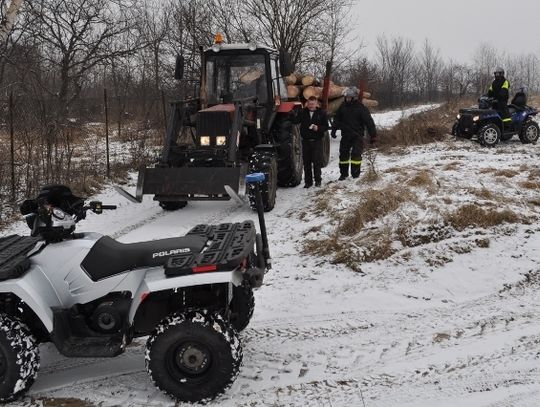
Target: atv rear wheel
x,y
172,205
242,306
266,163
326,149
19,358
529,133
489,135
290,164
193,356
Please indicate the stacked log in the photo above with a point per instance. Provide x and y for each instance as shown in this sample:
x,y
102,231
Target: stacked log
x,y
305,86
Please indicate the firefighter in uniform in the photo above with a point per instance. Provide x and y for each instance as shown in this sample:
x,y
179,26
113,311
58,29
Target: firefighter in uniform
x,y
352,118
500,90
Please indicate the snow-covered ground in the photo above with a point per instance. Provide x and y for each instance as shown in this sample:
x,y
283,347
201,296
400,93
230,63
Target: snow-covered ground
x,y
402,333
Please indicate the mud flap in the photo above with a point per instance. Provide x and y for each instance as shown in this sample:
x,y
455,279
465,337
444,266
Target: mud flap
x,y
188,184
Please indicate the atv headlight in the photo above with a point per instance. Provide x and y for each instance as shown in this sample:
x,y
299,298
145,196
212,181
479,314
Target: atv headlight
x,y
205,141
58,213
458,116
221,140
475,118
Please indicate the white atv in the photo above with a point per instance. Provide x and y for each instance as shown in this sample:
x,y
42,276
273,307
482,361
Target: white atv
x,y
91,295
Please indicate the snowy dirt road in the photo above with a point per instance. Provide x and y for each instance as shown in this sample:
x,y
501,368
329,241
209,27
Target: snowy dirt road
x,y
462,333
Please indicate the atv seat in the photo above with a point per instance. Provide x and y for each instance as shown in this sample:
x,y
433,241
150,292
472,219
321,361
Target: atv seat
x,y
109,257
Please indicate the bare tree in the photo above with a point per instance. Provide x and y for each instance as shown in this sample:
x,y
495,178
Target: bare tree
x,y
9,18
76,36
430,65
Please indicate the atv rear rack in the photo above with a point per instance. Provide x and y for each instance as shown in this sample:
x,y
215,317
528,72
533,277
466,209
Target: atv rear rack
x,y
228,245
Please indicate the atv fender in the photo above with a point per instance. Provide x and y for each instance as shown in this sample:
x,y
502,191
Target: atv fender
x,y
155,281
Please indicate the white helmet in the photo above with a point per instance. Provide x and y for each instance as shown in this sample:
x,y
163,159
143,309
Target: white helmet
x,y
350,92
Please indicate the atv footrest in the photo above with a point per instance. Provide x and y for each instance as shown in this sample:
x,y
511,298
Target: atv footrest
x,y
13,255
228,245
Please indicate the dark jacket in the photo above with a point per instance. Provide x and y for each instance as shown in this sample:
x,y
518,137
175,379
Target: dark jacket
x,y
303,118
500,89
352,119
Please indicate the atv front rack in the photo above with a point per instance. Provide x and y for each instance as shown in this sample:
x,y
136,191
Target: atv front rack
x,y
14,252
228,245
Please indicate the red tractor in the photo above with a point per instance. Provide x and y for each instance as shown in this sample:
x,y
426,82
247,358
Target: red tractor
x,y
239,124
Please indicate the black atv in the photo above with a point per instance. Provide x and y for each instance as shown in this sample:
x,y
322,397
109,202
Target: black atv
x,y
487,124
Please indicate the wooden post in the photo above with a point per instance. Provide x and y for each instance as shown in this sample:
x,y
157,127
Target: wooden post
x,y
107,131
326,85
12,146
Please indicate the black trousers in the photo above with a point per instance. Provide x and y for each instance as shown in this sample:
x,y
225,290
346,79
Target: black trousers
x,y
312,151
502,109
350,154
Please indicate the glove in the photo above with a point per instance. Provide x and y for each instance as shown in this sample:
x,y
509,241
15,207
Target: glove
x,y
333,134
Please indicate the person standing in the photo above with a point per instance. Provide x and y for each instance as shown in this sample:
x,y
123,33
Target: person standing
x,y
352,117
313,123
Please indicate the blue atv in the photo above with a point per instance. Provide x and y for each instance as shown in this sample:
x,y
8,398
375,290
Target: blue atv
x,y
486,123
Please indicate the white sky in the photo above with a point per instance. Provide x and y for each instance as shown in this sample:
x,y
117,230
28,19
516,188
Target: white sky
x,y
457,27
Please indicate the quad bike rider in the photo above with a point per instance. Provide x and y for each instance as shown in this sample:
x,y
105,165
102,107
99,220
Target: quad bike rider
x,y
487,123
91,295
239,123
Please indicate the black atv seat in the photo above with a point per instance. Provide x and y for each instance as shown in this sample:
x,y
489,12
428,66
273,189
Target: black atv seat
x,y
109,257
14,250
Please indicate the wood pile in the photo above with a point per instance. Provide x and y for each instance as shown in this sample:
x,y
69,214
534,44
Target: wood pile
x,y
303,87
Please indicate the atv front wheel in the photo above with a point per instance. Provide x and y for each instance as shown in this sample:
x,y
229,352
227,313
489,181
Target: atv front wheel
x,y
172,205
193,356
242,306
266,163
489,135
19,358
529,133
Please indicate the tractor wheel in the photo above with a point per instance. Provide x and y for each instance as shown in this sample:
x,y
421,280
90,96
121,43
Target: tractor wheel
x,y
326,149
242,306
290,163
19,358
193,356
266,163
529,133
172,205
489,135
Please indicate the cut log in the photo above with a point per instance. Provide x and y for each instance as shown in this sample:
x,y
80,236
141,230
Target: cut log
x,y
310,80
292,79
293,91
312,91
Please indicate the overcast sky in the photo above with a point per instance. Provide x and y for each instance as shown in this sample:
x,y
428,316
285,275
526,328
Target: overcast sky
x,y
457,27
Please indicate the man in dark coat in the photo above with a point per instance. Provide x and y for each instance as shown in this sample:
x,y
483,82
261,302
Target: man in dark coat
x,y
313,123
352,117
500,90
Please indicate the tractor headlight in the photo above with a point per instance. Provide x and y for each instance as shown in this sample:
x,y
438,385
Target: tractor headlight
x,y
458,116
205,141
221,140
475,118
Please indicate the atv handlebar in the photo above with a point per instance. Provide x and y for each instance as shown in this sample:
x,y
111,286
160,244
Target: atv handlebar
x,y
98,207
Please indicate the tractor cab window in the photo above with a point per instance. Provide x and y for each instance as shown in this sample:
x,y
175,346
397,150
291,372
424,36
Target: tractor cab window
x,y
230,77
278,83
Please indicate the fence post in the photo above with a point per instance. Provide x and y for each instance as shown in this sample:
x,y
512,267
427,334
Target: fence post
x,y
12,146
107,131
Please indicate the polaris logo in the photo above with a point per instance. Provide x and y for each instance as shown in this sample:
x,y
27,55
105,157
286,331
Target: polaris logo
x,y
170,252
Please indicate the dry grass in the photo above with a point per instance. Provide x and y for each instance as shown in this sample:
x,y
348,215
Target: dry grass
x,y
471,215
482,193
420,128
506,173
374,204
487,170
452,166
530,184
423,179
